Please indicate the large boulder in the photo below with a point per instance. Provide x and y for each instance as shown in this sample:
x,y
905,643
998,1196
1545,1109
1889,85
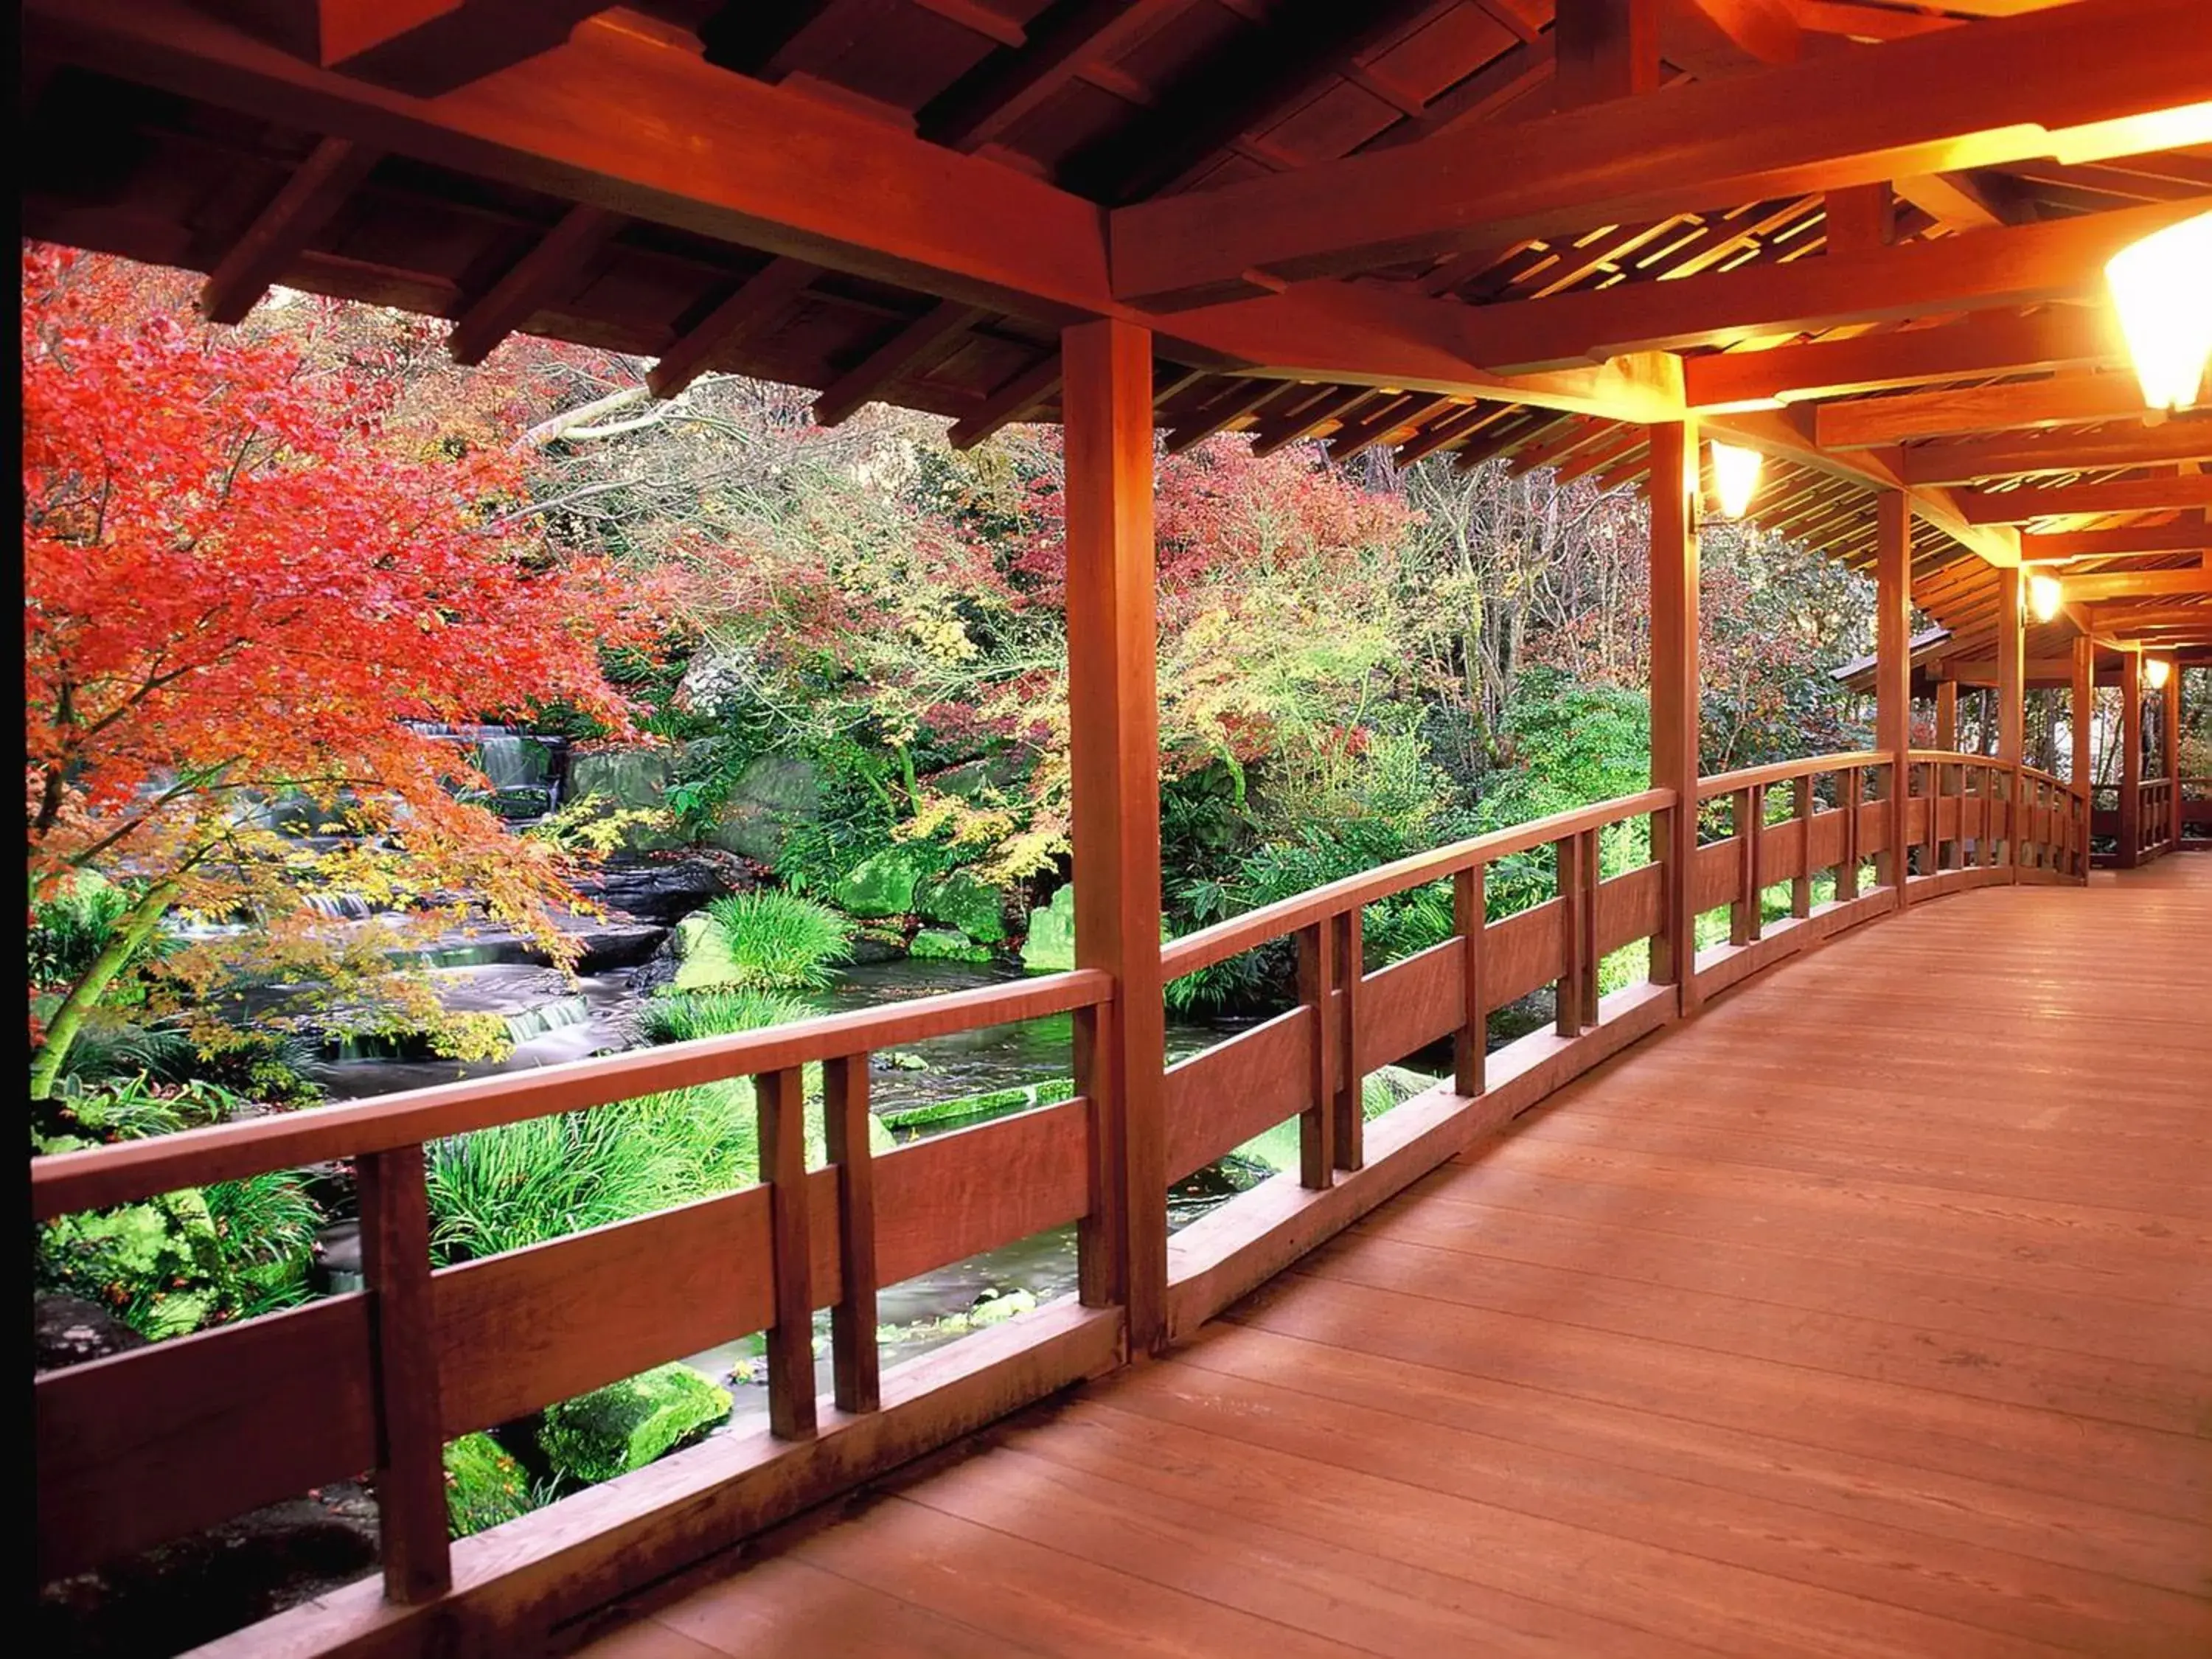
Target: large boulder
x,y
1050,947
773,795
663,891
625,1424
67,1330
881,886
962,901
628,778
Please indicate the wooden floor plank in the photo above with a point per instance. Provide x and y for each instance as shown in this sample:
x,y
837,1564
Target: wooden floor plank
x,y
1868,1314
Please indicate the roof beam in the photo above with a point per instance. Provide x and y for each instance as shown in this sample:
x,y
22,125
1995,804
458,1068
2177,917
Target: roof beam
x,y
2186,535
2028,264
1302,420
1863,22
924,334
1009,402
724,155
1863,423
1713,38
1399,414
1604,50
1446,431
2022,506
426,47
1005,87
2090,590
282,229
1225,411
2080,81
754,305
1984,344
534,280
2000,457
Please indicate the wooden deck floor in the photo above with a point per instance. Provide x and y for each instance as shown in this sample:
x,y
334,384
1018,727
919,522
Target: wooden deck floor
x,y
1870,1314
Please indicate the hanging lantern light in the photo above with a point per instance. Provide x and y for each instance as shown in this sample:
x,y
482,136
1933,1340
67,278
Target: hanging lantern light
x,y
2044,595
1735,478
2159,286
2155,669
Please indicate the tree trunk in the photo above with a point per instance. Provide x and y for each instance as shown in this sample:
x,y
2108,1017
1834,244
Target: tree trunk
x,y
136,927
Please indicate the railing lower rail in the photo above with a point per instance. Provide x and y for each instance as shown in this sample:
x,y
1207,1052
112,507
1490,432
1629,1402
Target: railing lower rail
x,y
144,1446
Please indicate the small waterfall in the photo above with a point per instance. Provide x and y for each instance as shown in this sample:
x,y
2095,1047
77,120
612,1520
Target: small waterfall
x,y
527,1023
340,907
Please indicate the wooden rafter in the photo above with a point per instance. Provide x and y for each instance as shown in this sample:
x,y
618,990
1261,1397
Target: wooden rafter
x,y
1997,458
1443,433
1984,344
910,345
1297,419
751,307
1862,422
1397,415
2195,580
1225,411
2023,506
2023,265
555,261
2017,87
1012,399
2188,534
278,233
1005,87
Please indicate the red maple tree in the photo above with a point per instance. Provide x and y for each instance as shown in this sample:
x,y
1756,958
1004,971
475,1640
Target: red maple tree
x,y
239,583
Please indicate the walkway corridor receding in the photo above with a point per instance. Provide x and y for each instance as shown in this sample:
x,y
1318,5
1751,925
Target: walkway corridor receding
x,y
1868,1314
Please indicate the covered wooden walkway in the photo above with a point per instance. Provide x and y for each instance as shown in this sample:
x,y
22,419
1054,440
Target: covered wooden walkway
x,y
1763,1339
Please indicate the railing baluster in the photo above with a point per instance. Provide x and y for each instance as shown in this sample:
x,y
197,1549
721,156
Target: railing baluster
x,y
1801,804
1592,873
780,1097
1471,1042
852,1321
1750,811
1567,990
1350,1094
410,1469
1317,1123
1850,793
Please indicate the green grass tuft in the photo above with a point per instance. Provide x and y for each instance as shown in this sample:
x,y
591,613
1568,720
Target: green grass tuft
x,y
682,1016
779,941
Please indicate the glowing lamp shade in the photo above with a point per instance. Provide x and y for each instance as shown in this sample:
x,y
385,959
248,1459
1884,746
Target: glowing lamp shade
x,y
1735,478
2043,594
2162,289
2155,669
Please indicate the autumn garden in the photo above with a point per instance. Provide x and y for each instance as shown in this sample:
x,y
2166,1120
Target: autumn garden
x,y
389,722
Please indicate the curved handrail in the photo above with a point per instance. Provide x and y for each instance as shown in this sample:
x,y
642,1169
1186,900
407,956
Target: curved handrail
x,y
1748,777
68,1182
1237,934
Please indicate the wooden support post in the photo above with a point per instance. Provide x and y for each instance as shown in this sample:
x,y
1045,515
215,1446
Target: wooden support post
x,y
852,1320
411,1466
1606,48
1591,873
1802,805
2081,717
2170,736
1674,705
1850,795
1893,673
1349,1137
1317,1121
2131,748
1113,704
1567,990
1470,1043
2012,709
779,1099
1934,841
1947,715
1746,813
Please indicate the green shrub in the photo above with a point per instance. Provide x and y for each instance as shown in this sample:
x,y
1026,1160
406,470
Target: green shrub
x,y
779,941
682,1016
70,929
627,1425
484,1487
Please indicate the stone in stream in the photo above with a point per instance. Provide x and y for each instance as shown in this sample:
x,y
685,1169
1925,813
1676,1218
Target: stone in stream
x,y
882,884
946,945
664,891
961,900
1050,947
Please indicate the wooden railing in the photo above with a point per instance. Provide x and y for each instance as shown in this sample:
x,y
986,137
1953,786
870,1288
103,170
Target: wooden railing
x,y
2155,814
147,1445
2154,818
2195,813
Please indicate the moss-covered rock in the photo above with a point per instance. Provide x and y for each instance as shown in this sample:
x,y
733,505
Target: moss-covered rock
x,y
944,944
625,1425
882,884
703,955
965,901
1050,948
483,1485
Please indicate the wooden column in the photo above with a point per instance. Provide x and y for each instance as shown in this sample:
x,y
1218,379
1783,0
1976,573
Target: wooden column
x,y
1114,745
2169,725
2012,710
1675,695
1894,672
2131,747
1947,715
411,1471
2081,716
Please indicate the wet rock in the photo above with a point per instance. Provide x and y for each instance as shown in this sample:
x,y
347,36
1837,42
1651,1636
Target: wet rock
x,y
193,1589
946,945
881,886
67,1330
875,943
773,795
609,944
1050,947
661,892
964,901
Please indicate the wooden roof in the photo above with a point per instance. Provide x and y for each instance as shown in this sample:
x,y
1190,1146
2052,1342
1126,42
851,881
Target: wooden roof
x,y
1865,237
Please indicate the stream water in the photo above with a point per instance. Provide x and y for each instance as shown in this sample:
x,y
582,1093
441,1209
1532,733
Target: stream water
x,y
552,1019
